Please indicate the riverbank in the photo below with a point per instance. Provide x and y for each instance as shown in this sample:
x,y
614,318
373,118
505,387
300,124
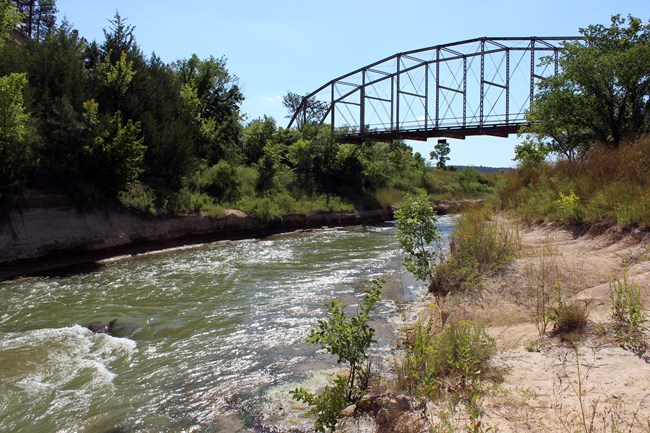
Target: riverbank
x,y
547,382
42,239
47,233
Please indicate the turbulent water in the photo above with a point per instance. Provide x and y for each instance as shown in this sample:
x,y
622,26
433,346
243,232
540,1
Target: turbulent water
x,y
207,338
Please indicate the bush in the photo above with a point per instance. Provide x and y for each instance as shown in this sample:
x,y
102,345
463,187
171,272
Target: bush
x,y
418,235
220,181
455,359
609,184
349,339
570,318
138,196
476,245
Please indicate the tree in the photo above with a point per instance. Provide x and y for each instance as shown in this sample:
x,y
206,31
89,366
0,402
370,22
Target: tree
x,y
531,152
418,234
217,105
39,17
9,19
311,110
14,153
601,92
255,136
441,152
113,152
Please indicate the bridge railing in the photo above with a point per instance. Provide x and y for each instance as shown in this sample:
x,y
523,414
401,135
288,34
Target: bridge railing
x,y
477,86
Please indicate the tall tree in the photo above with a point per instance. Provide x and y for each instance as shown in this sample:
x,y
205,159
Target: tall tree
x,y
602,90
305,109
39,17
441,153
214,94
14,153
9,18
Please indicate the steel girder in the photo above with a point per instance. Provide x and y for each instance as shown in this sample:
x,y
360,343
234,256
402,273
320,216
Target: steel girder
x,y
481,86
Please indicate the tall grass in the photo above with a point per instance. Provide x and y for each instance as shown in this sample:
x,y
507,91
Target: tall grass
x,y
479,244
608,185
452,360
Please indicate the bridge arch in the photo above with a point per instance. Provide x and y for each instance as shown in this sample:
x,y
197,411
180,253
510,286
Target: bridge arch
x,y
479,86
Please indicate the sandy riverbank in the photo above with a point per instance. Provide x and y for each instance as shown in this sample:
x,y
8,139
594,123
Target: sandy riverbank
x,y
548,385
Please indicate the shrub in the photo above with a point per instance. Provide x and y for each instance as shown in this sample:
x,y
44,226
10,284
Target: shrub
x,y
138,196
349,339
541,279
569,206
569,319
476,245
221,181
454,359
416,232
608,184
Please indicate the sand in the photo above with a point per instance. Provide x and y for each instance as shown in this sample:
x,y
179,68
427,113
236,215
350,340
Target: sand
x,y
551,383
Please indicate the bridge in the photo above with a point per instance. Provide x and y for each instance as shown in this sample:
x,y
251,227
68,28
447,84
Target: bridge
x,y
481,86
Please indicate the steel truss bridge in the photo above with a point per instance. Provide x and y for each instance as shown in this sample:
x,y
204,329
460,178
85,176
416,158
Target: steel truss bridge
x,y
480,86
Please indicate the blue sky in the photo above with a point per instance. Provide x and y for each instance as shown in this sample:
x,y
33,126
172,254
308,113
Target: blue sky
x,y
298,45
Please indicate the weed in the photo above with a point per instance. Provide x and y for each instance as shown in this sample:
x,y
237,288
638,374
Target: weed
x,y
450,361
569,205
541,277
477,245
625,301
569,320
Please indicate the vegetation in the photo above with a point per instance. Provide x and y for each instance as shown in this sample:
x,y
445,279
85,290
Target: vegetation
x,y
131,130
627,312
453,359
610,184
349,339
593,117
477,245
599,94
418,235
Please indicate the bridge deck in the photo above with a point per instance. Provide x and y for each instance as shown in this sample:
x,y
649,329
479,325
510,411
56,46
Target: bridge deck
x,y
424,134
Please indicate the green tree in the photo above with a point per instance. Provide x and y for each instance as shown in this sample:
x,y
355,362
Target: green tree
x,y
418,235
348,338
39,17
311,110
9,19
255,136
601,91
531,151
14,153
218,103
559,120
113,153
441,152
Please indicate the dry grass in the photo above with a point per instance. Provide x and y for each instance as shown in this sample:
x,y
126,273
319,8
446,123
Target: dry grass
x,y
609,185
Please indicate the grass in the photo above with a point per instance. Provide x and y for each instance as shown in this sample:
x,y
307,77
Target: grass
x,y
283,203
609,185
477,245
627,312
450,361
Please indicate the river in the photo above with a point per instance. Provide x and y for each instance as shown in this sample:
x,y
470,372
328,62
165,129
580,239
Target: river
x,y
207,337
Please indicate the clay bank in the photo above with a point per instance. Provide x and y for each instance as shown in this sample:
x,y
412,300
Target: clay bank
x,y
48,233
